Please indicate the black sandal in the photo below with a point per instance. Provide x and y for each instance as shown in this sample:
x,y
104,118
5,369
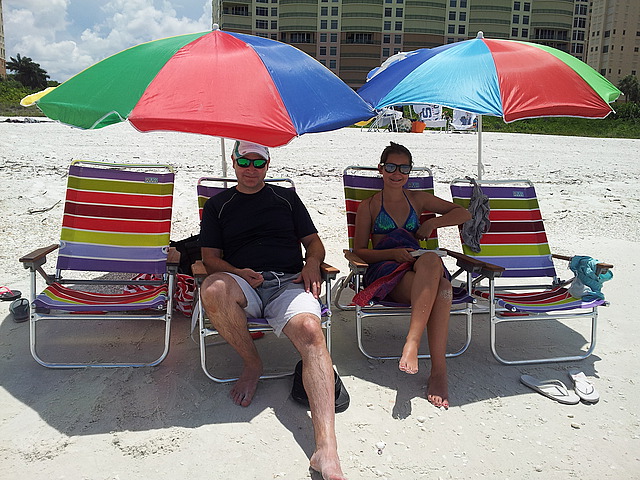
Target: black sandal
x,y
299,394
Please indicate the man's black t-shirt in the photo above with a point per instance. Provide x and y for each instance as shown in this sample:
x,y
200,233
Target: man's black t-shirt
x,y
261,231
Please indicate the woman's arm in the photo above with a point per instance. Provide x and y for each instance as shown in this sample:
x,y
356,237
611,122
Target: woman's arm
x,y
447,213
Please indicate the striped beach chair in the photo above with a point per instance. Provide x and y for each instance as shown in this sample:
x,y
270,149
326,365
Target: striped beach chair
x,y
516,240
208,187
361,183
117,220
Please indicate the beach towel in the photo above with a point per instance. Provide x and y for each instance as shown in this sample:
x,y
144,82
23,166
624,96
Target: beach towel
x,y
472,230
588,284
382,277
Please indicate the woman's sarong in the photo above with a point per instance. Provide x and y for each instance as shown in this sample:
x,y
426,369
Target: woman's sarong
x,y
382,277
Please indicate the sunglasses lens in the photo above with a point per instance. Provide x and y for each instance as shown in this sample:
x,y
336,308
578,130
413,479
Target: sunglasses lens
x,y
392,167
246,162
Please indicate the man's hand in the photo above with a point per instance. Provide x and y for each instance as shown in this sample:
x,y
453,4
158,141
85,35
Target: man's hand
x,y
254,279
311,277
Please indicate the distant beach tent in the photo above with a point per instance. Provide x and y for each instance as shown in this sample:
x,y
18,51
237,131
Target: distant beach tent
x,y
216,83
504,78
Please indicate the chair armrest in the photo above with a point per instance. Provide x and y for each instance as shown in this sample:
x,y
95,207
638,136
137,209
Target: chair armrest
x,y
601,267
474,265
173,257
355,260
328,272
36,255
199,270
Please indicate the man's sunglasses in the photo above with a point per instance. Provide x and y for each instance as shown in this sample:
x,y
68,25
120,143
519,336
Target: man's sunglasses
x,y
392,167
256,162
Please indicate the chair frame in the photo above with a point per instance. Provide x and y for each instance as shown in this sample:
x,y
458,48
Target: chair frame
x,y
34,262
207,330
358,267
499,314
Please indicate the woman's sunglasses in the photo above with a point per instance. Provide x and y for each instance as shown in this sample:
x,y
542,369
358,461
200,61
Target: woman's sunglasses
x,y
245,162
392,167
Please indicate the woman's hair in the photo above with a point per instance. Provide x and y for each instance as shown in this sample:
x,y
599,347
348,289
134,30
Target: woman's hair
x,y
395,148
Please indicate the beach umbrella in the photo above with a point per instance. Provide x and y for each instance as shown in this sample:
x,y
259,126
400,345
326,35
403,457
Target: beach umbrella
x,y
505,78
224,84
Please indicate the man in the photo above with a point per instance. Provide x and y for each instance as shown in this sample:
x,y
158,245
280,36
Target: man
x,y
250,238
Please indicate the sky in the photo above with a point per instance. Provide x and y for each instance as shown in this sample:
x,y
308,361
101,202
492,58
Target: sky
x,y
67,36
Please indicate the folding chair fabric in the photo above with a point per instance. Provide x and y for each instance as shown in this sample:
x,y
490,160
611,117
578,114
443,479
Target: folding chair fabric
x,y
117,219
516,240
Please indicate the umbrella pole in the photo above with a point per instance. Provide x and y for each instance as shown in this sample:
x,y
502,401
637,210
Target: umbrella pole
x,y
480,166
224,158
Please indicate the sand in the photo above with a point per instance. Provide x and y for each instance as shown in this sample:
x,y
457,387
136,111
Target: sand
x,y
170,421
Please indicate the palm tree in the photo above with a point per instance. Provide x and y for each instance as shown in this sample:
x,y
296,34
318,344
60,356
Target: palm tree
x,y
630,87
28,72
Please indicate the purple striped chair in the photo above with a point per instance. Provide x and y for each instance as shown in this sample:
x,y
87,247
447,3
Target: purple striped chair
x,y
516,240
117,219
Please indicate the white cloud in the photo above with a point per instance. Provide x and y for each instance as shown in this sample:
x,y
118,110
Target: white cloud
x,y
41,30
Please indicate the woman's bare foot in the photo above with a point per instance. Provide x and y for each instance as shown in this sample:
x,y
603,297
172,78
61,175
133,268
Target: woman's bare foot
x,y
438,390
244,389
327,464
409,360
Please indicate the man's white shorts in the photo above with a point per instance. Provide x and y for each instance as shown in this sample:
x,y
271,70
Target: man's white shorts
x,y
278,299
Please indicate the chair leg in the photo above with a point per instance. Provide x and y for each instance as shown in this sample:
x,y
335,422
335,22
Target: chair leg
x,y
495,320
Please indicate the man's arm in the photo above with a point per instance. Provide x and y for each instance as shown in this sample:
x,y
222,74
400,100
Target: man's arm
x,y
314,256
213,262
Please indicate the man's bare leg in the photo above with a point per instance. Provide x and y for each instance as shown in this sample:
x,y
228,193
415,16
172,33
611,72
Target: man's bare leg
x,y
305,332
224,301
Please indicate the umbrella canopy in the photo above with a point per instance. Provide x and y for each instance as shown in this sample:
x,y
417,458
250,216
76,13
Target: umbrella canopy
x,y
217,83
504,78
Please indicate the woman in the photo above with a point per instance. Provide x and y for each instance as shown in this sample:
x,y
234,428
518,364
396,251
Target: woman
x,y
390,218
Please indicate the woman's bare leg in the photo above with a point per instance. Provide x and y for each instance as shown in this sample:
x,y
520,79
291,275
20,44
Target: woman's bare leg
x,y
437,334
420,289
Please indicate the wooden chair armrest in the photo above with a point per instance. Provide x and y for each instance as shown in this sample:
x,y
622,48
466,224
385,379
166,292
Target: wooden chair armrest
x,y
173,257
328,271
355,260
38,254
199,270
474,265
600,266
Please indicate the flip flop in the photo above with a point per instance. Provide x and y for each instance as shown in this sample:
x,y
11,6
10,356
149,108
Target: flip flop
x,y
6,294
20,310
583,387
554,389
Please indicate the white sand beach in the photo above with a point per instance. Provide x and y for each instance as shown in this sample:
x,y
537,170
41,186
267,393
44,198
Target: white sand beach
x,y
171,421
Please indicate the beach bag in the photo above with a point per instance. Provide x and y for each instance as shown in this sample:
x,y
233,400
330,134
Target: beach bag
x,y
189,249
184,293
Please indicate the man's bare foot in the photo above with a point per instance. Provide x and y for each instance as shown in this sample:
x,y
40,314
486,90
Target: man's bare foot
x,y
327,464
438,390
409,360
244,389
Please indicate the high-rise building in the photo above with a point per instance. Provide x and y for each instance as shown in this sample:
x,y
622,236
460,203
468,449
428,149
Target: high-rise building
x,y
614,38
3,61
351,37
